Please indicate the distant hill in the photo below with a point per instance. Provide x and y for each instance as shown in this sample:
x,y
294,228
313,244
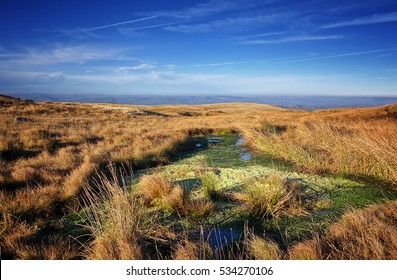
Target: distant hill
x,y
5,99
291,102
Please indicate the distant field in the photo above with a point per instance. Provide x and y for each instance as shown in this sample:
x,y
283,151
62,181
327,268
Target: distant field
x,y
113,181
310,102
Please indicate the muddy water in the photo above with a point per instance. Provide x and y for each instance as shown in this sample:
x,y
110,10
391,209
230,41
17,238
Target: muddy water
x,y
227,151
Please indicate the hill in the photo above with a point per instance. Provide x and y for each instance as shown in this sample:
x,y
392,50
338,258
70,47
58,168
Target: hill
x,y
155,175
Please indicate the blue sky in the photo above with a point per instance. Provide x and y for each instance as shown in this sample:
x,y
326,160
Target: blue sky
x,y
329,47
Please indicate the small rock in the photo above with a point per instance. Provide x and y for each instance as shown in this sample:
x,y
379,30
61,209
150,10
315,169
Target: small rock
x,y
187,114
21,119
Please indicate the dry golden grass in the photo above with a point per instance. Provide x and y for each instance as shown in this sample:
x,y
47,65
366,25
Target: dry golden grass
x,y
359,142
159,192
199,208
55,249
262,249
270,196
13,235
114,220
306,250
50,151
189,250
369,234
363,234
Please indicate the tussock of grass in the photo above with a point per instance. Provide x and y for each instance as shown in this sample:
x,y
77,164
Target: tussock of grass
x,y
262,249
12,236
363,234
210,186
189,250
200,208
159,192
369,234
270,196
56,248
305,250
115,221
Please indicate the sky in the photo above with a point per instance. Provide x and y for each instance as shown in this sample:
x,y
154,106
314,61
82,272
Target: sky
x,y
240,47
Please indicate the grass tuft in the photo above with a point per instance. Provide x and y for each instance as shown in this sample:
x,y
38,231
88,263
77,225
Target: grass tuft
x,y
159,192
200,208
268,197
211,187
262,249
189,250
114,218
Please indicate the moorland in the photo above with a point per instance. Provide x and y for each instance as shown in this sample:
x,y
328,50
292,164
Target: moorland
x,y
214,181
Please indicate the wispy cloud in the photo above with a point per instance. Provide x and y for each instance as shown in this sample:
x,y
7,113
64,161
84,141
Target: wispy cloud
x,y
232,24
269,34
206,9
78,54
142,66
292,39
153,81
89,31
335,56
374,19
163,24
33,76
120,23
215,64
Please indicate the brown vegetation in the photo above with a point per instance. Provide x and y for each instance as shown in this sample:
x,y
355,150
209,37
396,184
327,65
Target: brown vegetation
x,y
51,153
369,234
359,142
271,196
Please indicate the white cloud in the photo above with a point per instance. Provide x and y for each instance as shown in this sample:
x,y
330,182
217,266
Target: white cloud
x,y
335,56
205,9
231,24
374,19
33,76
292,39
171,82
73,32
120,23
196,28
215,64
142,66
269,34
60,55
161,25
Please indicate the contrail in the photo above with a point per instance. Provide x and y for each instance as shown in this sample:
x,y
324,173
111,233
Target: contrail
x,y
99,27
119,23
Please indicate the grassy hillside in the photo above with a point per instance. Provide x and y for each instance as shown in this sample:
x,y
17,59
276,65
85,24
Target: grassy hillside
x,y
64,196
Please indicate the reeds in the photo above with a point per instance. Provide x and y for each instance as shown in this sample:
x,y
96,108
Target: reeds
x,y
114,218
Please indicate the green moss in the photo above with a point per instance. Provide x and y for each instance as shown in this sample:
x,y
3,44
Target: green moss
x,y
326,198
